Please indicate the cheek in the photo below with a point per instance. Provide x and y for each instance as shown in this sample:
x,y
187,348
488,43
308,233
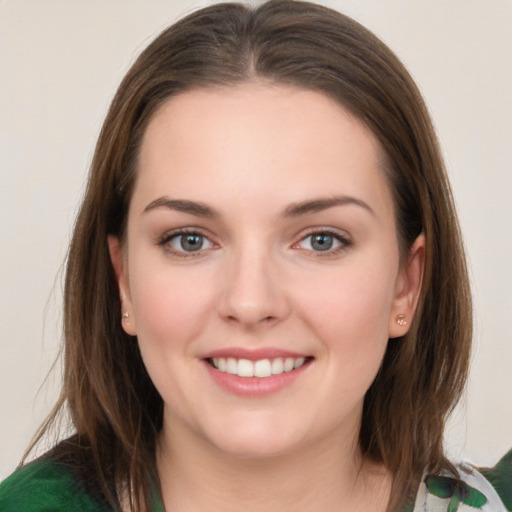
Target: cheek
x,y
356,300
349,313
170,304
171,308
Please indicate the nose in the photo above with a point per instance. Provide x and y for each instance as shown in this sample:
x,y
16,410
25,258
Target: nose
x,y
254,293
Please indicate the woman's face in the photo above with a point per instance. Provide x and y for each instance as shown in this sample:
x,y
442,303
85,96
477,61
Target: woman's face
x,y
261,237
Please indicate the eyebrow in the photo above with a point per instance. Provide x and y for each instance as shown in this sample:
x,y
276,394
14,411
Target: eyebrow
x,y
293,210
182,205
320,204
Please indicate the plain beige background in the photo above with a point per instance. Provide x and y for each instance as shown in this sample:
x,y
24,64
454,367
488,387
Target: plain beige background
x,y
60,63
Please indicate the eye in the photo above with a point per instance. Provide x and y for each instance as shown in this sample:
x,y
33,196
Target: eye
x,y
186,243
323,242
189,242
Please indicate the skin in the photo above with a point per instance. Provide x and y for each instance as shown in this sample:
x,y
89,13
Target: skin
x,y
252,153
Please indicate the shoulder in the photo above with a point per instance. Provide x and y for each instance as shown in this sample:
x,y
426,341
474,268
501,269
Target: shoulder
x,y
500,477
45,486
476,489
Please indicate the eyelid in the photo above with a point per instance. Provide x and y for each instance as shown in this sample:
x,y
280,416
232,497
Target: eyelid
x,y
174,233
342,237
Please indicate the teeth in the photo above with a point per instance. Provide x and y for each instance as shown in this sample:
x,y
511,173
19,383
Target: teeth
x,y
277,366
261,368
298,362
289,363
231,365
245,368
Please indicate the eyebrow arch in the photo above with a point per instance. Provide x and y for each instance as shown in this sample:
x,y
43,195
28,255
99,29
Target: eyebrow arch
x,y
320,204
182,205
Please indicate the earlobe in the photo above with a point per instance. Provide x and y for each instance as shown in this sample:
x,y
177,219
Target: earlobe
x,y
126,315
408,289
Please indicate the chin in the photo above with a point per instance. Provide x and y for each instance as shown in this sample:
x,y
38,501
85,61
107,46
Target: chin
x,y
255,449
257,441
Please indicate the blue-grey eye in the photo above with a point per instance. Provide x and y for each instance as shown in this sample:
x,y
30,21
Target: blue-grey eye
x,y
189,242
322,241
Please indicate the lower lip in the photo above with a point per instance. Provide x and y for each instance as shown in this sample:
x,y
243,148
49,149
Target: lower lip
x,y
254,386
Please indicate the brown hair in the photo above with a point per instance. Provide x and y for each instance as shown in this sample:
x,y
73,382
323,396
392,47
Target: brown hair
x,y
114,407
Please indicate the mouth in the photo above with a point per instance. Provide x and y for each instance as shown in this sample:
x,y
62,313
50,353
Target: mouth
x,y
260,368
256,372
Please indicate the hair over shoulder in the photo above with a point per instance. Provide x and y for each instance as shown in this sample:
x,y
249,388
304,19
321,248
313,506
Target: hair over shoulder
x,y
113,405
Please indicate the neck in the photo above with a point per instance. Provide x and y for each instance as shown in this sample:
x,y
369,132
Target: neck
x,y
321,477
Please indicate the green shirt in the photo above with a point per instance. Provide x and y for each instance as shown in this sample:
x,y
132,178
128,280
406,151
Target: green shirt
x,y
49,486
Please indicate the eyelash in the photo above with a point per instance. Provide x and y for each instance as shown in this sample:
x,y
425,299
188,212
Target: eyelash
x,y
344,243
164,241
168,237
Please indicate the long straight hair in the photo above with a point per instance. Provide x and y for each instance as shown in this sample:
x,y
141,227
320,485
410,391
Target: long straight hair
x,y
113,405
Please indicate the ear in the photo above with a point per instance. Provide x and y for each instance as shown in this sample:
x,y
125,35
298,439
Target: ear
x,y
407,289
126,315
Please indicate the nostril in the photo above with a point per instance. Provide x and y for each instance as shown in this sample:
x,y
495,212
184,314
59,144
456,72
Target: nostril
x,y
265,319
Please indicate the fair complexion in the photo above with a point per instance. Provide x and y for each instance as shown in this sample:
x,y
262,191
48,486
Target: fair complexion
x,y
262,229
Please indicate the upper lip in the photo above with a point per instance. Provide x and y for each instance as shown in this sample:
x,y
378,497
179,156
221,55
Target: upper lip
x,y
255,354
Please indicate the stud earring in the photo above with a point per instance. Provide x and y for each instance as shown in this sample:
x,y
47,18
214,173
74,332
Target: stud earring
x,y
400,319
125,317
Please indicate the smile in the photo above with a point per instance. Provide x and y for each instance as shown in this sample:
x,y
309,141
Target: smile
x,y
260,368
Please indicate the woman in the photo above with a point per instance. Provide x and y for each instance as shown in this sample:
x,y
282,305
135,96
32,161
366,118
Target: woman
x,y
266,299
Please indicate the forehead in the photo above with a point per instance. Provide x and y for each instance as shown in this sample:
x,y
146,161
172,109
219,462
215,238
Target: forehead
x,y
253,139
